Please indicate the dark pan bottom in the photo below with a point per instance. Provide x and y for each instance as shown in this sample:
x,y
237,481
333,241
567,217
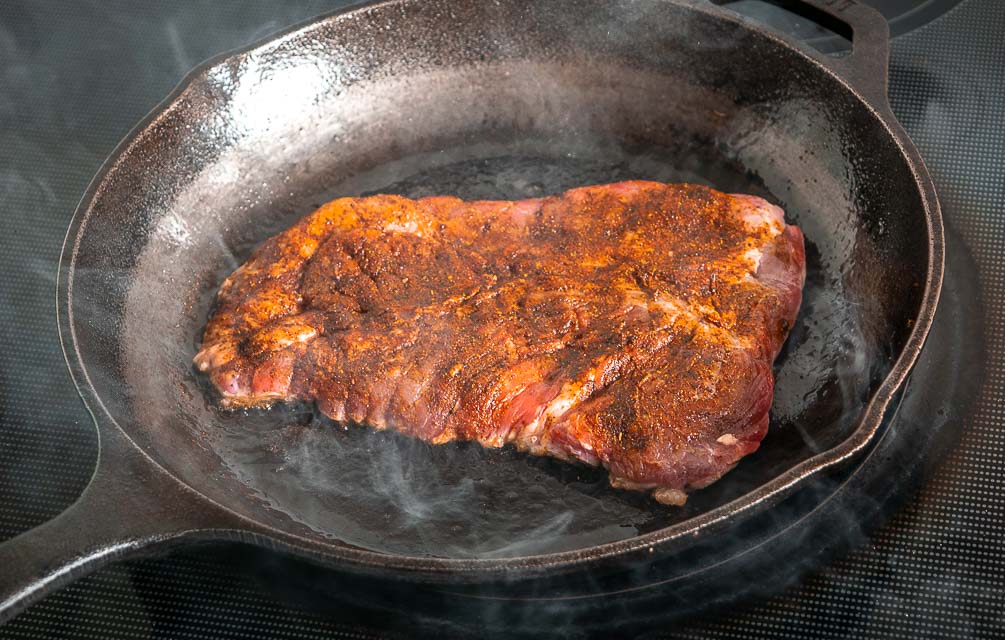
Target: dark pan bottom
x,y
388,493
825,520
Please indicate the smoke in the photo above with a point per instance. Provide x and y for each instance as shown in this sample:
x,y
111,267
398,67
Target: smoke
x,y
386,492
334,142
390,475
27,279
394,494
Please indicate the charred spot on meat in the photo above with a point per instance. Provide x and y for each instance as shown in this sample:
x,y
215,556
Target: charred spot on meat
x,y
631,325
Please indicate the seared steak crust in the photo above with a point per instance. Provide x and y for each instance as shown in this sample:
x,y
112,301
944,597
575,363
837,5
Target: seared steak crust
x,y
631,325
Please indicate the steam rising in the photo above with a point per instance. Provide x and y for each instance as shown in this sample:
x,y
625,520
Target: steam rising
x,y
391,493
379,490
436,502
523,129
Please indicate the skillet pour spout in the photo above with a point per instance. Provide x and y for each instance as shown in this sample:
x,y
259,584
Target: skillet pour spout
x,y
479,100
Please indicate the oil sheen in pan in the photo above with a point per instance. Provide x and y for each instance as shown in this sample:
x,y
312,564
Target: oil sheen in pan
x,y
460,500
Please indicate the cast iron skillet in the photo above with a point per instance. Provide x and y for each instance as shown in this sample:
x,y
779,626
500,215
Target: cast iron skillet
x,y
503,99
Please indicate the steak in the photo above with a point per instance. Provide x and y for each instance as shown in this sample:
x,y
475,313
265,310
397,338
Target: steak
x,y
631,325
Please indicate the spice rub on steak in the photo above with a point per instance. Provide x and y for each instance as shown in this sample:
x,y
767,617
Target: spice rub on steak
x,y
631,325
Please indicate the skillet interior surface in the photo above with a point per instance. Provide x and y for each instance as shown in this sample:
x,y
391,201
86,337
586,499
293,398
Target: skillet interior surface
x,y
481,100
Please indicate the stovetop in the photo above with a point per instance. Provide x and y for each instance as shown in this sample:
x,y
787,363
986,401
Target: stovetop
x,y
75,77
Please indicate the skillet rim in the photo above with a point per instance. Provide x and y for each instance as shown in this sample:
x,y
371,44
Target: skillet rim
x,y
750,504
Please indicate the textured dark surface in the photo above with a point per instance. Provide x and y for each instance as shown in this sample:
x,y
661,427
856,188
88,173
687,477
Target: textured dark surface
x,y
73,79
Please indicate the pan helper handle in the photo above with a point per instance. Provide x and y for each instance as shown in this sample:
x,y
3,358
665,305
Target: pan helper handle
x,y
866,68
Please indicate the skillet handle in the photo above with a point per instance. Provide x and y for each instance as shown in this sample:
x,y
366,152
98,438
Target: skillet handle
x,y
867,67
130,505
